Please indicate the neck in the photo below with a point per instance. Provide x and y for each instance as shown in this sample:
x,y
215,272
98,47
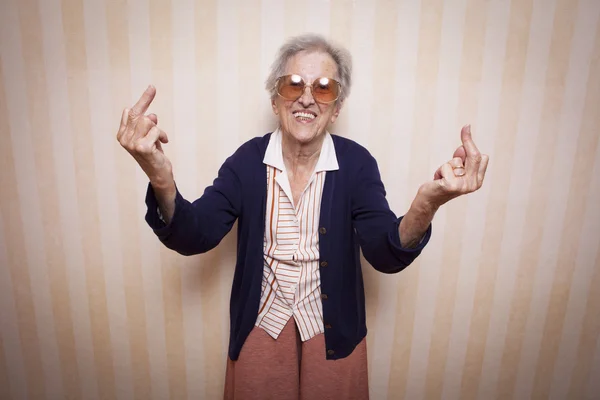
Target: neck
x,y
301,157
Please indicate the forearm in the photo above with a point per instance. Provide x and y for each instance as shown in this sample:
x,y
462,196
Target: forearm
x,y
165,192
415,222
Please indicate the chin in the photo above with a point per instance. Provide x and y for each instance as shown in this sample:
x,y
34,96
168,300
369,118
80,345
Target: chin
x,y
304,137
305,134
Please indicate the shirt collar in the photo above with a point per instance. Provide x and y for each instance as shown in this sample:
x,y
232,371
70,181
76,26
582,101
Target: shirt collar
x,y
327,159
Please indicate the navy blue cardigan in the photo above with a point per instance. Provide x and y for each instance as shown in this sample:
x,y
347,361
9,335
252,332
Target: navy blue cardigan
x,y
354,212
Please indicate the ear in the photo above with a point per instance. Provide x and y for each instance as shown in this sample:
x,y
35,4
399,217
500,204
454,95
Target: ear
x,y
338,108
274,107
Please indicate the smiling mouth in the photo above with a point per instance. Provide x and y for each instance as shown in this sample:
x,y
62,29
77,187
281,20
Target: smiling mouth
x,y
304,116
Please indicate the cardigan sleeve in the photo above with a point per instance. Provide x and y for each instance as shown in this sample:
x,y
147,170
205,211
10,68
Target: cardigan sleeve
x,y
376,225
199,226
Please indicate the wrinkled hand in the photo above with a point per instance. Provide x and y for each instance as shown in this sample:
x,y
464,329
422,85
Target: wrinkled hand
x,y
140,136
461,175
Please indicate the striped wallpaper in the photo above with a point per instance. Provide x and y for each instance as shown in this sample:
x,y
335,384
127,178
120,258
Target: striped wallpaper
x,y
505,301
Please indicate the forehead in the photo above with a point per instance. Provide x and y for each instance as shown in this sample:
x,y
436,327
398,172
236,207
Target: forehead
x,y
311,65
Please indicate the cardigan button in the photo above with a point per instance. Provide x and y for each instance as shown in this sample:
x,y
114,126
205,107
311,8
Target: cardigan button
x,y
324,263
327,326
330,352
322,230
324,296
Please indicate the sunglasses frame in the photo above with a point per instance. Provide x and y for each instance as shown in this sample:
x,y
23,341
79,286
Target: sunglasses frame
x,y
311,89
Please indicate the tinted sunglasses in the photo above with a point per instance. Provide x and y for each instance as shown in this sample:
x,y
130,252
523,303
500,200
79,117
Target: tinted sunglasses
x,y
324,90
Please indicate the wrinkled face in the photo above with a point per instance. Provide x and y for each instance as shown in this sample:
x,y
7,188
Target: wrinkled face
x,y
304,119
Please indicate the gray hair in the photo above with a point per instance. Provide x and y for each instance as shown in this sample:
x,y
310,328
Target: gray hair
x,y
311,42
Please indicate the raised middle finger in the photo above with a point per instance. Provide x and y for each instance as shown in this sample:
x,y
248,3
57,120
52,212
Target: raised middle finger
x,y
473,156
142,104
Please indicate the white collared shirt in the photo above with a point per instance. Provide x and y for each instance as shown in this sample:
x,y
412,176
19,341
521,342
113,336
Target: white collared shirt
x,y
291,283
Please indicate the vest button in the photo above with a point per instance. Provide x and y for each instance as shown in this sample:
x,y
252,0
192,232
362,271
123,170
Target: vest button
x,y
330,352
324,263
322,230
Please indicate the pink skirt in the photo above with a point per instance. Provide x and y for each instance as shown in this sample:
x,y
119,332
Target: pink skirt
x,y
290,369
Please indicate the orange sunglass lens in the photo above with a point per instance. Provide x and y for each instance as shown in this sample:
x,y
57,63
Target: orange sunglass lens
x,y
290,87
324,90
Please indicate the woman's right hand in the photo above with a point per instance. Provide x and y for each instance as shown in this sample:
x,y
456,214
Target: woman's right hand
x,y
140,136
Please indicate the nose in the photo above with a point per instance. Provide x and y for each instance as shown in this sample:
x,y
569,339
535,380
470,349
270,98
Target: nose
x,y
307,98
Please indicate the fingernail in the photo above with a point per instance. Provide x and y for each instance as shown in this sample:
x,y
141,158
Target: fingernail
x,y
469,128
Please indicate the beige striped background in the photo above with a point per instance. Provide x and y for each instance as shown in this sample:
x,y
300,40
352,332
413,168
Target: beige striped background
x,y
505,301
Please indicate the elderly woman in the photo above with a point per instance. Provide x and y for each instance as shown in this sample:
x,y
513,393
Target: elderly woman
x,y
305,200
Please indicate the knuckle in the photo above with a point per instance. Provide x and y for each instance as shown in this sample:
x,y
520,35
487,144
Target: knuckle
x,y
141,148
132,114
477,158
129,147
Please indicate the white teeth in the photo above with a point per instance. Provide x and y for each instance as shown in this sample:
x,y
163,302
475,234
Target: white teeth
x,y
301,114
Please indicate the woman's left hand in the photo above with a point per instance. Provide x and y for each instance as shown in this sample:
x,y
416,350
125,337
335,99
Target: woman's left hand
x,y
461,175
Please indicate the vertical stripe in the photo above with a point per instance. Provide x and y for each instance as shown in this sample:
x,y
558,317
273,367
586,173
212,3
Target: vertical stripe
x,y
554,288
186,133
208,160
103,148
504,63
295,17
161,42
584,231
379,286
140,75
405,61
4,380
14,377
271,38
253,97
516,356
462,218
120,95
228,133
59,127
386,16
80,120
593,387
340,31
37,98
340,23
428,60
445,141
34,261
531,104
588,255
358,105
318,16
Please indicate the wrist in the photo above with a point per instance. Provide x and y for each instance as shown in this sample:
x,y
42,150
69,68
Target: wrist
x,y
164,188
162,180
424,205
